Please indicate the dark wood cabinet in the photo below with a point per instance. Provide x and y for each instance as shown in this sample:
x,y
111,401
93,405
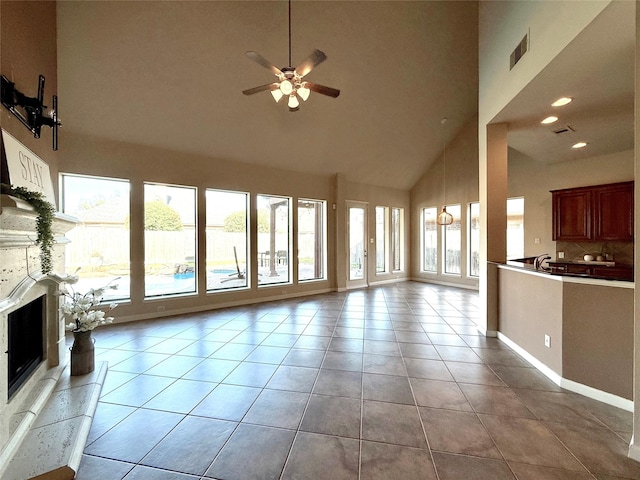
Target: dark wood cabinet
x,y
613,212
572,214
596,213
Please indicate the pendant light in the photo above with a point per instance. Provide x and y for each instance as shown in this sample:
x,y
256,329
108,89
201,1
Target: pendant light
x,y
444,218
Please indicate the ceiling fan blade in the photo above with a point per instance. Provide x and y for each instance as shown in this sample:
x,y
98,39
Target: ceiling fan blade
x,y
256,57
314,87
261,88
313,60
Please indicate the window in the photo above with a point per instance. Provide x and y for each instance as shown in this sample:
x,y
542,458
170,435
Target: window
x,y
274,234
515,227
397,236
382,241
312,228
429,239
474,240
452,242
227,234
169,240
100,243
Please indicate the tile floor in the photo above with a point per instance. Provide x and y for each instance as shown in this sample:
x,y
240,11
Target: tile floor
x,y
384,383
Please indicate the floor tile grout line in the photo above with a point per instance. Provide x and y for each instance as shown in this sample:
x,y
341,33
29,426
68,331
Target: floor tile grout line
x,y
287,458
589,411
424,430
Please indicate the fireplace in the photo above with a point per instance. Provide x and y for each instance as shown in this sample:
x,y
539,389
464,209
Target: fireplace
x,y
26,342
32,341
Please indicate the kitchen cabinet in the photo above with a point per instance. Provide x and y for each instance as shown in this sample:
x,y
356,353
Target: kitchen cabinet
x,y
613,212
595,213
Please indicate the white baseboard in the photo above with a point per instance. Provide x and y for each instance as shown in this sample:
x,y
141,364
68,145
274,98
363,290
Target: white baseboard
x,y
445,284
390,280
634,450
218,305
585,390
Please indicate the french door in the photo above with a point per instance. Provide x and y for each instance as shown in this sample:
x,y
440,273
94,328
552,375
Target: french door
x,y
357,245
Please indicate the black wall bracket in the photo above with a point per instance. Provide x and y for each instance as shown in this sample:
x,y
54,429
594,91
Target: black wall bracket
x,y
30,110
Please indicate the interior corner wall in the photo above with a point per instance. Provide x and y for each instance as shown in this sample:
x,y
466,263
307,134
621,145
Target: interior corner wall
x,y
27,50
534,180
461,188
137,163
375,196
550,25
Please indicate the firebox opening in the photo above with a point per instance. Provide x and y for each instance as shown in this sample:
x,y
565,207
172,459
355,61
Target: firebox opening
x,y
26,342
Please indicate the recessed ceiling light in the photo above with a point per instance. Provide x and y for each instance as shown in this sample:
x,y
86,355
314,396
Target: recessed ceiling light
x,y
579,145
561,101
549,119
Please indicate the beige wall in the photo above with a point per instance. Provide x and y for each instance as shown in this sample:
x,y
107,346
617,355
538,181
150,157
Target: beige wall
x,y
147,164
597,337
530,307
27,50
461,188
533,180
551,26
142,164
379,197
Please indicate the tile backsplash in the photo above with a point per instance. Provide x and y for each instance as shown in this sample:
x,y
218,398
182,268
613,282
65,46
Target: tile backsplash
x,y
620,252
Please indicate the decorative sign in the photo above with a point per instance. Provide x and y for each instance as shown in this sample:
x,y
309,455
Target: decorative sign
x,y
26,169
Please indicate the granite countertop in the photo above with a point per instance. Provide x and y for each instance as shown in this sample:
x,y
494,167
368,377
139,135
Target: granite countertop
x,y
550,270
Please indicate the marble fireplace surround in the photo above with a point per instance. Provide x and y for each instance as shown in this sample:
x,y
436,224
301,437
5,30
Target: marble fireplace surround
x,y
21,281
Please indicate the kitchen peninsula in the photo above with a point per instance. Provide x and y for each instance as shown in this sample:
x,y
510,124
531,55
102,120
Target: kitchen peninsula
x,y
578,330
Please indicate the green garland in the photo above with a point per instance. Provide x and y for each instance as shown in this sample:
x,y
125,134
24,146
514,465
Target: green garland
x,y
45,212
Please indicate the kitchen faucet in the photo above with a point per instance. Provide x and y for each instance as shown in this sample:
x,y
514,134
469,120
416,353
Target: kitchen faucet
x,y
537,263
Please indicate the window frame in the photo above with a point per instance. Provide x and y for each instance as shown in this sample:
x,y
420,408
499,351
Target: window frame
x,y
383,239
110,295
471,238
396,243
247,264
196,260
322,237
445,230
289,236
423,238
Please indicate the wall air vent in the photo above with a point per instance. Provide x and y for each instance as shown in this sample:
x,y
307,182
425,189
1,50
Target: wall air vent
x,y
519,51
561,130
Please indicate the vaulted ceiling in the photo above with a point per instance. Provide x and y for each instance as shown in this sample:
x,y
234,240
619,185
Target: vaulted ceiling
x,y
170,75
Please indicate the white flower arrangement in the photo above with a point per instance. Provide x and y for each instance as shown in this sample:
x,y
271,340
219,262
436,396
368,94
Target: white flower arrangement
x,y
80,307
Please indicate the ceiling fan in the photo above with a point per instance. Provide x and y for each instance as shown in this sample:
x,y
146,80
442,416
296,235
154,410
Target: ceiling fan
x,y
290,82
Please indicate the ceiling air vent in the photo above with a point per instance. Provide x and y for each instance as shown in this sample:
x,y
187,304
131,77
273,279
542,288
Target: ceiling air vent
x,y
519,51
561,130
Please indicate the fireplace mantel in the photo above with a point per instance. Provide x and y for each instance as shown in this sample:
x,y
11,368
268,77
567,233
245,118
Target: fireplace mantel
x,y
18,223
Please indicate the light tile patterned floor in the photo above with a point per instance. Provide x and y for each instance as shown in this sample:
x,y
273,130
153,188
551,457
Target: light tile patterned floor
x,y
384,383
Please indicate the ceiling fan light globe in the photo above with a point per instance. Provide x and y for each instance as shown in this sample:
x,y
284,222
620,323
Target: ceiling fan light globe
x,y
286,87
277,94
304,92
293,101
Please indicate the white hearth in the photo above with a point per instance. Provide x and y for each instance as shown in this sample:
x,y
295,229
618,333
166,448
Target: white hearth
x,y
21,282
